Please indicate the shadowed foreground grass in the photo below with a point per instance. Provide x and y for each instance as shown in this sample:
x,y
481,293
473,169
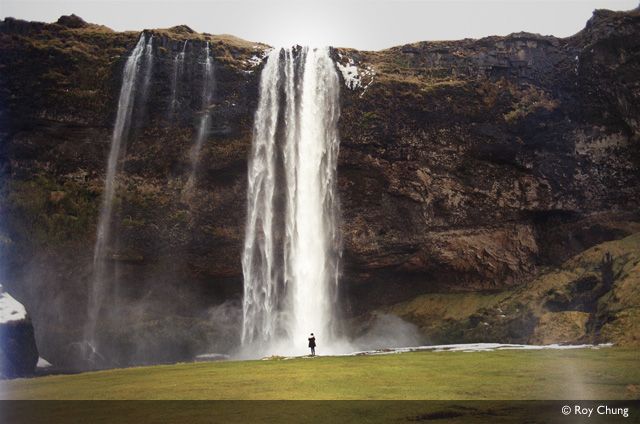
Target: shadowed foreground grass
x,y
608,373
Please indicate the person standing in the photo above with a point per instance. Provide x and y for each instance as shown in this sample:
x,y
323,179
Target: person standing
x,y
312,344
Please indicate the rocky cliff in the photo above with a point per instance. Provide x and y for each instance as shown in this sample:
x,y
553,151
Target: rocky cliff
x,y
466,167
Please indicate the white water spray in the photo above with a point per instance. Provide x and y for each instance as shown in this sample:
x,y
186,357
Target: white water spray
x,y
292,247
101,281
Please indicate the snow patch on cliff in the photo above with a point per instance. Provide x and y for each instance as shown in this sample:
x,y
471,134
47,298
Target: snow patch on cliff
x,y
255,60
10,309
350,74
355,77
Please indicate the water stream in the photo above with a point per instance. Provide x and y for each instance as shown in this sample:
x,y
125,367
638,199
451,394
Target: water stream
x,y
135,81
208,85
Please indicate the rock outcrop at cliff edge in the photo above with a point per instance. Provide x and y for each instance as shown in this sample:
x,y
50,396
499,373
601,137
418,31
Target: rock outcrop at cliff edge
x,y
18,351
465,166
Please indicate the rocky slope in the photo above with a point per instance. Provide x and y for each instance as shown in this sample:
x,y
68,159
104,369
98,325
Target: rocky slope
x,y
591,298
465,167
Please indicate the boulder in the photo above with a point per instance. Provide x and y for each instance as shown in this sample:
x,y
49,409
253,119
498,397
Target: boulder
x,y
72,21
18,351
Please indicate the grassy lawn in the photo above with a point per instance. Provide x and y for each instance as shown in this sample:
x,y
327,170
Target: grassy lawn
x,y
608,373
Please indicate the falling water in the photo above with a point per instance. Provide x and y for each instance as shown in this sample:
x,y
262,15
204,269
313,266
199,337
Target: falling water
x,y
291,273
148,67
314,253
126,101
178,69
205,118
261,288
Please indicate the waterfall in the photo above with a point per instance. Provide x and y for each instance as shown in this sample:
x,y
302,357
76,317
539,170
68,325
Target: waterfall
x,y
315,247
141,57
178,69
148,68
292,247
208,82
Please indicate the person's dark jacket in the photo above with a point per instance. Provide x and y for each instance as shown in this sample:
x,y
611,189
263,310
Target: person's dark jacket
x,y
312,342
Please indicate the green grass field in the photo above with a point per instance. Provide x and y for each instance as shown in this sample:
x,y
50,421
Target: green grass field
x,y
354,389
607,373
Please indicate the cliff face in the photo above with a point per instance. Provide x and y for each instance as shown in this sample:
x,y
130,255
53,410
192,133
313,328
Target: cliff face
x,y
468,164
176,256
464,166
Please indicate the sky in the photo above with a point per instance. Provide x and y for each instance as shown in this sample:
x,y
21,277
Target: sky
x,y
361,24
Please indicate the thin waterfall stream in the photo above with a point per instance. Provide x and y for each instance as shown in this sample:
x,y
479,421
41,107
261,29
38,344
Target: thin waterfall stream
x,y
138,66
176,75
208,83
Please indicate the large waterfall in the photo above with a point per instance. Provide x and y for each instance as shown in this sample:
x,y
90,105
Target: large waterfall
x,y
292,248
141,59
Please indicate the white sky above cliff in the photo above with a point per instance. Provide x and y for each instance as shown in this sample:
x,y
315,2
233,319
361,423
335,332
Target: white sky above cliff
x,y
370,25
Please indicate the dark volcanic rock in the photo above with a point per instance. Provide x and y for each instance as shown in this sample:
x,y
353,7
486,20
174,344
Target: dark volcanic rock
x,y
72,21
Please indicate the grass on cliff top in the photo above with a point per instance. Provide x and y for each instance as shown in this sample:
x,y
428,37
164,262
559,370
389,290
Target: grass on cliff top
x,y
607,373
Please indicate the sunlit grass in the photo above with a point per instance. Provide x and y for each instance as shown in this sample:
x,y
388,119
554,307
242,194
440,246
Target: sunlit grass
x,y
608,373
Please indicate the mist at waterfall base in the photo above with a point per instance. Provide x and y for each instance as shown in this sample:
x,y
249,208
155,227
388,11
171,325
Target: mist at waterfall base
x,y
116,310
